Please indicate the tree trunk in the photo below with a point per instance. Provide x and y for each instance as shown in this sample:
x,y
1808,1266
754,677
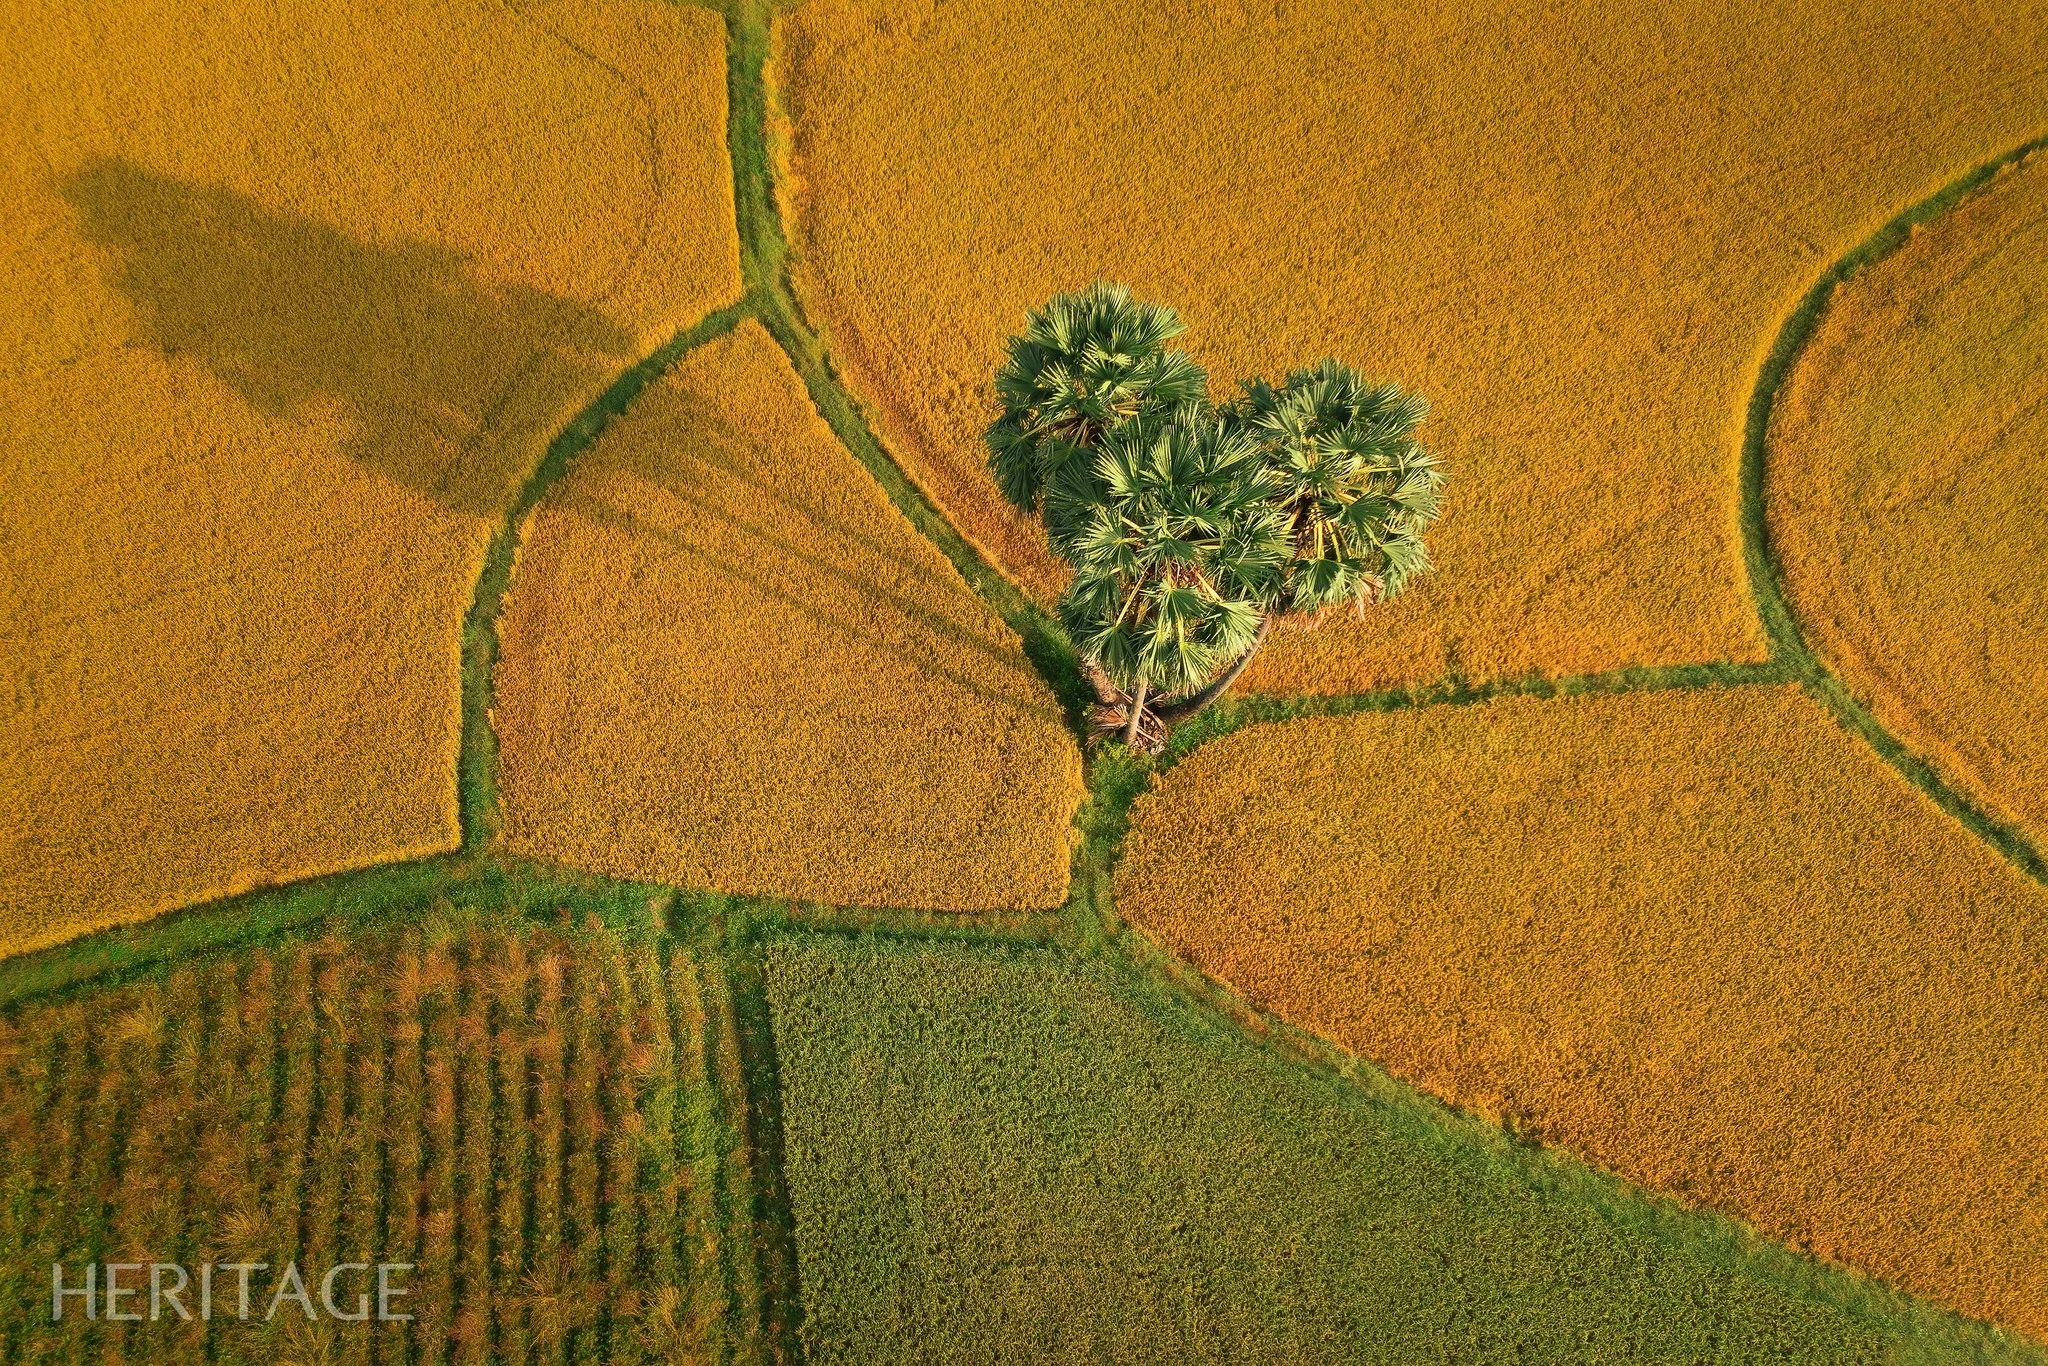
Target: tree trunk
x,y
1106,692
1189,706
1137,714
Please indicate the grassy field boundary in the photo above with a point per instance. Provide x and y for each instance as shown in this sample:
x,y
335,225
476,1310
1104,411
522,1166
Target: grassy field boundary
x,y
764,265
778,1295
1787,643
476,765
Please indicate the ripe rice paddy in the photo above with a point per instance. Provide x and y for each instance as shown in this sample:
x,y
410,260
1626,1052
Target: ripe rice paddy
x,y
288,316
1576,234
730,663
1908,473
1704,939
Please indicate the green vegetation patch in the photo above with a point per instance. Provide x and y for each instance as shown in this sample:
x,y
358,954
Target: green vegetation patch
x,y
537,1120
1002,1154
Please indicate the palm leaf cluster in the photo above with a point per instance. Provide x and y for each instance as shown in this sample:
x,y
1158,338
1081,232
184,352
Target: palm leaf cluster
x,y
1084,365
1177,549
1357,489
1189,526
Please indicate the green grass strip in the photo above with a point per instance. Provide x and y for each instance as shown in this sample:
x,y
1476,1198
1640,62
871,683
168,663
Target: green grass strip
x,y
477,765
764,265
1788,647
348,902
770,1219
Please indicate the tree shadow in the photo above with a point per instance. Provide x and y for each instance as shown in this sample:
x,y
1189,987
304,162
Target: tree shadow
x,y
452,383
852,611
871,592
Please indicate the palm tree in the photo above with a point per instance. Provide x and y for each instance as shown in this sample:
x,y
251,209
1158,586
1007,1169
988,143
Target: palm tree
x,y
1177,549
1192,529
1085,364
1359,491
1356,488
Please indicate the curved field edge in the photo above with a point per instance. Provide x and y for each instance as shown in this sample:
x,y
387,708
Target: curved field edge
x,y
1193,1006
764,266
477,779
1788,647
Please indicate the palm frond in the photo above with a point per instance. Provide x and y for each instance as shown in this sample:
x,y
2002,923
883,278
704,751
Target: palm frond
x,y
1085,364
1358,490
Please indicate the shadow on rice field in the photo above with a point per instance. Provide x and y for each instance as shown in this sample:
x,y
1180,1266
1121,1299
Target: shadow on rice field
x,y
277,306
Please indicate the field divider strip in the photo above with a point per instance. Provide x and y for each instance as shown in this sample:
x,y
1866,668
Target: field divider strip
x,y
740,1031
1723,1239
477,761
1786,641
764,266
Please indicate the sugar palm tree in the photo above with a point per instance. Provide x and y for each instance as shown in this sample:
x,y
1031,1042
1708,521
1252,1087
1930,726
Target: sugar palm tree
x,y
1355,487
1192,529
1177,549
1085,364
1358,489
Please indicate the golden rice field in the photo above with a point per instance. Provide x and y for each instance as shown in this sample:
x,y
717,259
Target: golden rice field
x,y
1908,469
1576,233
287,312
1703,938
730,663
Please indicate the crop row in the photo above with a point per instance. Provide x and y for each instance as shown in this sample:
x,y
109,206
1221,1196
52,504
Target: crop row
x,y
522,1115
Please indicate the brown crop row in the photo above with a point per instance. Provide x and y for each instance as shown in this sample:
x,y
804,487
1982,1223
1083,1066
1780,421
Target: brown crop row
x,y
524,1115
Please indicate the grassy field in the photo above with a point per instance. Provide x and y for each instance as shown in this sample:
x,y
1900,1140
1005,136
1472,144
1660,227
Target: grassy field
x,y
530,1113
1004,1155
1576,235
361,515
1702,938
288,316
1906,474
729,662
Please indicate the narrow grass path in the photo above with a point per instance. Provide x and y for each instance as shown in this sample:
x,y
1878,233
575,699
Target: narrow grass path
x,y
477,765
1788,648
733,929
